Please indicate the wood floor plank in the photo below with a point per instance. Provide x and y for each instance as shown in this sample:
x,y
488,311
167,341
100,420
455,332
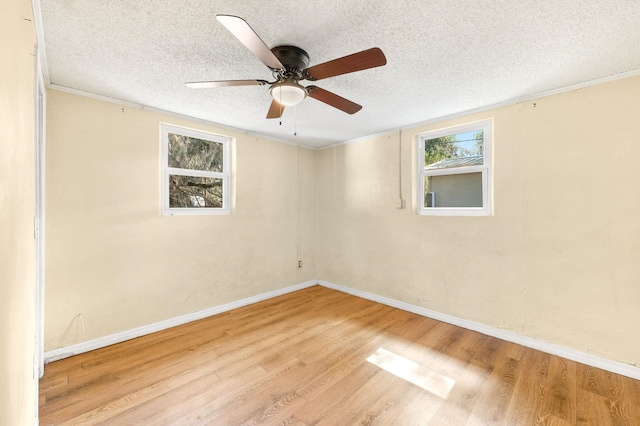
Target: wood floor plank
x,y
142,396
368,402
420,410
94,395
383,397
497,392
452,363
560,399
469,381
592,409
305,358
618,395
526,405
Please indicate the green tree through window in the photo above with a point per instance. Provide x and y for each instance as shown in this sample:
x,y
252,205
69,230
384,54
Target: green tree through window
x,y
460,145
196,172
194,154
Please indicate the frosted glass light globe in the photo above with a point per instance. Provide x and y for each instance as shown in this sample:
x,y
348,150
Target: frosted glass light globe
x,y
288,93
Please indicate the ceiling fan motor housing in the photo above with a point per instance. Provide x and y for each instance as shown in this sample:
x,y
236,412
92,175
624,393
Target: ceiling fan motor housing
x,y
293,58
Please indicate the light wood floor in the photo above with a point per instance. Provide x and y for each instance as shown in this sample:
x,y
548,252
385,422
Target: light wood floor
x,y
301,359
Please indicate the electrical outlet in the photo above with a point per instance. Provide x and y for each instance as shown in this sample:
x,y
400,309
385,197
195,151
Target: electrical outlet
x,y
399,203
299,263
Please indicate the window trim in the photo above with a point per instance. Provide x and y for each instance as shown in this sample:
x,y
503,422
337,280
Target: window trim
x,y
165,129
487,205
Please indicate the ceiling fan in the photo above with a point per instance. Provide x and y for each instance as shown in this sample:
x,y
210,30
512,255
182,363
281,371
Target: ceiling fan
x,y
289,65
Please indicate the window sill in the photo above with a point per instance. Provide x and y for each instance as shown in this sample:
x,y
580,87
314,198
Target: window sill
x,y
196,212
459,211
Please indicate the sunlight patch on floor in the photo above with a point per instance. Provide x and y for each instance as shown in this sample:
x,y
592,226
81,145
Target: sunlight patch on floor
x,y
408,370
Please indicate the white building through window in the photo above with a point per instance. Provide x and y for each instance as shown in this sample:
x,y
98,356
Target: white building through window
x,y
195,171
454,171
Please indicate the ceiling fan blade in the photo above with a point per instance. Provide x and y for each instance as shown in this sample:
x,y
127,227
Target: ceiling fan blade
x,y
224,83
243,32
334,100
366,59
275,110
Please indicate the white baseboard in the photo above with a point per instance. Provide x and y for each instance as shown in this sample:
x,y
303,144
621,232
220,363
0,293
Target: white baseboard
x,y
102,342
574,355
550,348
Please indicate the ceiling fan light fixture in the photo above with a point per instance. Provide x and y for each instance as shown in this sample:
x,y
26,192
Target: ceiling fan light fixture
x,y
288,93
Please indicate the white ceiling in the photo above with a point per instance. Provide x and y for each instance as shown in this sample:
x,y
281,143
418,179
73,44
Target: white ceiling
x,y
443,56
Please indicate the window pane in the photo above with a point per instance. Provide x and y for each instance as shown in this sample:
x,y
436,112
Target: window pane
x,y
458,190
194,192
457,150
195,154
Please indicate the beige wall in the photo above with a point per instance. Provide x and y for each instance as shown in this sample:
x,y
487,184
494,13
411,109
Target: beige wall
x,y
553,263
17,202
115,263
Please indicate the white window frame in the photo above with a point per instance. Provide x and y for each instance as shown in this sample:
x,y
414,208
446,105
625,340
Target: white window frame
x,y
165,129
485,169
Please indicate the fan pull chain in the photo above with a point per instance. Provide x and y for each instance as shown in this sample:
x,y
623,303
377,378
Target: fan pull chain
x,y
295,121
280,106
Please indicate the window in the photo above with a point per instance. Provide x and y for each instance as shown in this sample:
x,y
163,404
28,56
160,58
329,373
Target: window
x,y
454,167
195,175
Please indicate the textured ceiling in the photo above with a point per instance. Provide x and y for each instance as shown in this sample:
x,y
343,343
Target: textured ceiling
x,y
443,57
